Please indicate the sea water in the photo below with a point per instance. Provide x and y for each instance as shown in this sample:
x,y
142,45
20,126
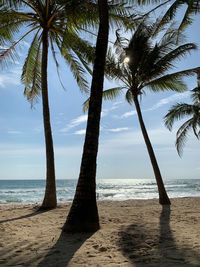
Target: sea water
x,y
32,191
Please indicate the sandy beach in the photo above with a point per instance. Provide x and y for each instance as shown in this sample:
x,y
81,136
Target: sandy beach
x,y
133,233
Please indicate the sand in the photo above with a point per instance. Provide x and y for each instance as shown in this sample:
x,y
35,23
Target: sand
x,y
133,233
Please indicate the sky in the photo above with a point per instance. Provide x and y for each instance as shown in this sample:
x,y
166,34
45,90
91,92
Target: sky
x,y
122,152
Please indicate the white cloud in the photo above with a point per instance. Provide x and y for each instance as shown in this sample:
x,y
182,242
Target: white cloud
x,y
126,140
83,118
14,132
114,106
80,132
167,100
160,103
118,129
128,114
12,77
75,122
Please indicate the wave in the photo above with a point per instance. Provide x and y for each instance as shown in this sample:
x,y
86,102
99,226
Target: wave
x,y
30,192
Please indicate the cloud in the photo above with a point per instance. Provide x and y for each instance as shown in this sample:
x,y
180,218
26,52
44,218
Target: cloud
x,y
80,132
118,129
12,77
128,114
75,122
83,118
14,132
126,140
160,103
114,106
167,100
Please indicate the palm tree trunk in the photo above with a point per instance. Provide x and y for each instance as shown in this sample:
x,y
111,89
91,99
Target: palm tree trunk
x,y
163,197
83,215
49,201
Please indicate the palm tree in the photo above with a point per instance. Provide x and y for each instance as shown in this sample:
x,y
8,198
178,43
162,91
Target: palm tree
x,y
141,65
83,215
182,110
48,21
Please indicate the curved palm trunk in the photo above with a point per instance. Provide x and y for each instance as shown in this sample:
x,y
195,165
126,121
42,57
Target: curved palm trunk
x,y
49,201
163,197
83,215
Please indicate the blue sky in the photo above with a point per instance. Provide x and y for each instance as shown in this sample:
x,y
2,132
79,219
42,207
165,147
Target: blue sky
x,y
122,153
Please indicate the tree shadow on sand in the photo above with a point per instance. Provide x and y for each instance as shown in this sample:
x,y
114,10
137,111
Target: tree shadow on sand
x,y
64,249
156,247
35,212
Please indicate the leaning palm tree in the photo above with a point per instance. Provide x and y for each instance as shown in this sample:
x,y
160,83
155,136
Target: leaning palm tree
x,y
180,111
50,25
142,65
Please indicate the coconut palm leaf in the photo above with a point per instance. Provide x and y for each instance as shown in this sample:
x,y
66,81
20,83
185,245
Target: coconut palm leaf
x,y
129,97
171,81
31,74
180,111
112,93
177,112
109,94
196,95
193,7
182,135
76,69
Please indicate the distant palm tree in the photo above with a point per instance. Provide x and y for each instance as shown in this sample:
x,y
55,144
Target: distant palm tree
x,y
51,25
141,65
180,111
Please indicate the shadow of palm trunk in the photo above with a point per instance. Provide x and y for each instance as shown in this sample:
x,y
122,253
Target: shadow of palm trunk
x,y
168,250
64,249
152,244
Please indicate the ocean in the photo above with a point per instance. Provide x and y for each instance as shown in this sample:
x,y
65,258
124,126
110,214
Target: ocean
x,y
32,191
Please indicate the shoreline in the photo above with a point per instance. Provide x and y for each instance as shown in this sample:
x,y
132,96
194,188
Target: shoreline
x,y
133,233
37,204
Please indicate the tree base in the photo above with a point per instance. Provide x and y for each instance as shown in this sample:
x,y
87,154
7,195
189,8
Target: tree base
x,y
83,216
89,227
41,208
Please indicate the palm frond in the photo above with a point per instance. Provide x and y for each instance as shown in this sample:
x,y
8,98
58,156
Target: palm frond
x,y
55,59
181,136
112,93
76,69
109,94
12,3
167,82
196,121
177,112
129,97
166,62
193,6
31,75
86,105
196,95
